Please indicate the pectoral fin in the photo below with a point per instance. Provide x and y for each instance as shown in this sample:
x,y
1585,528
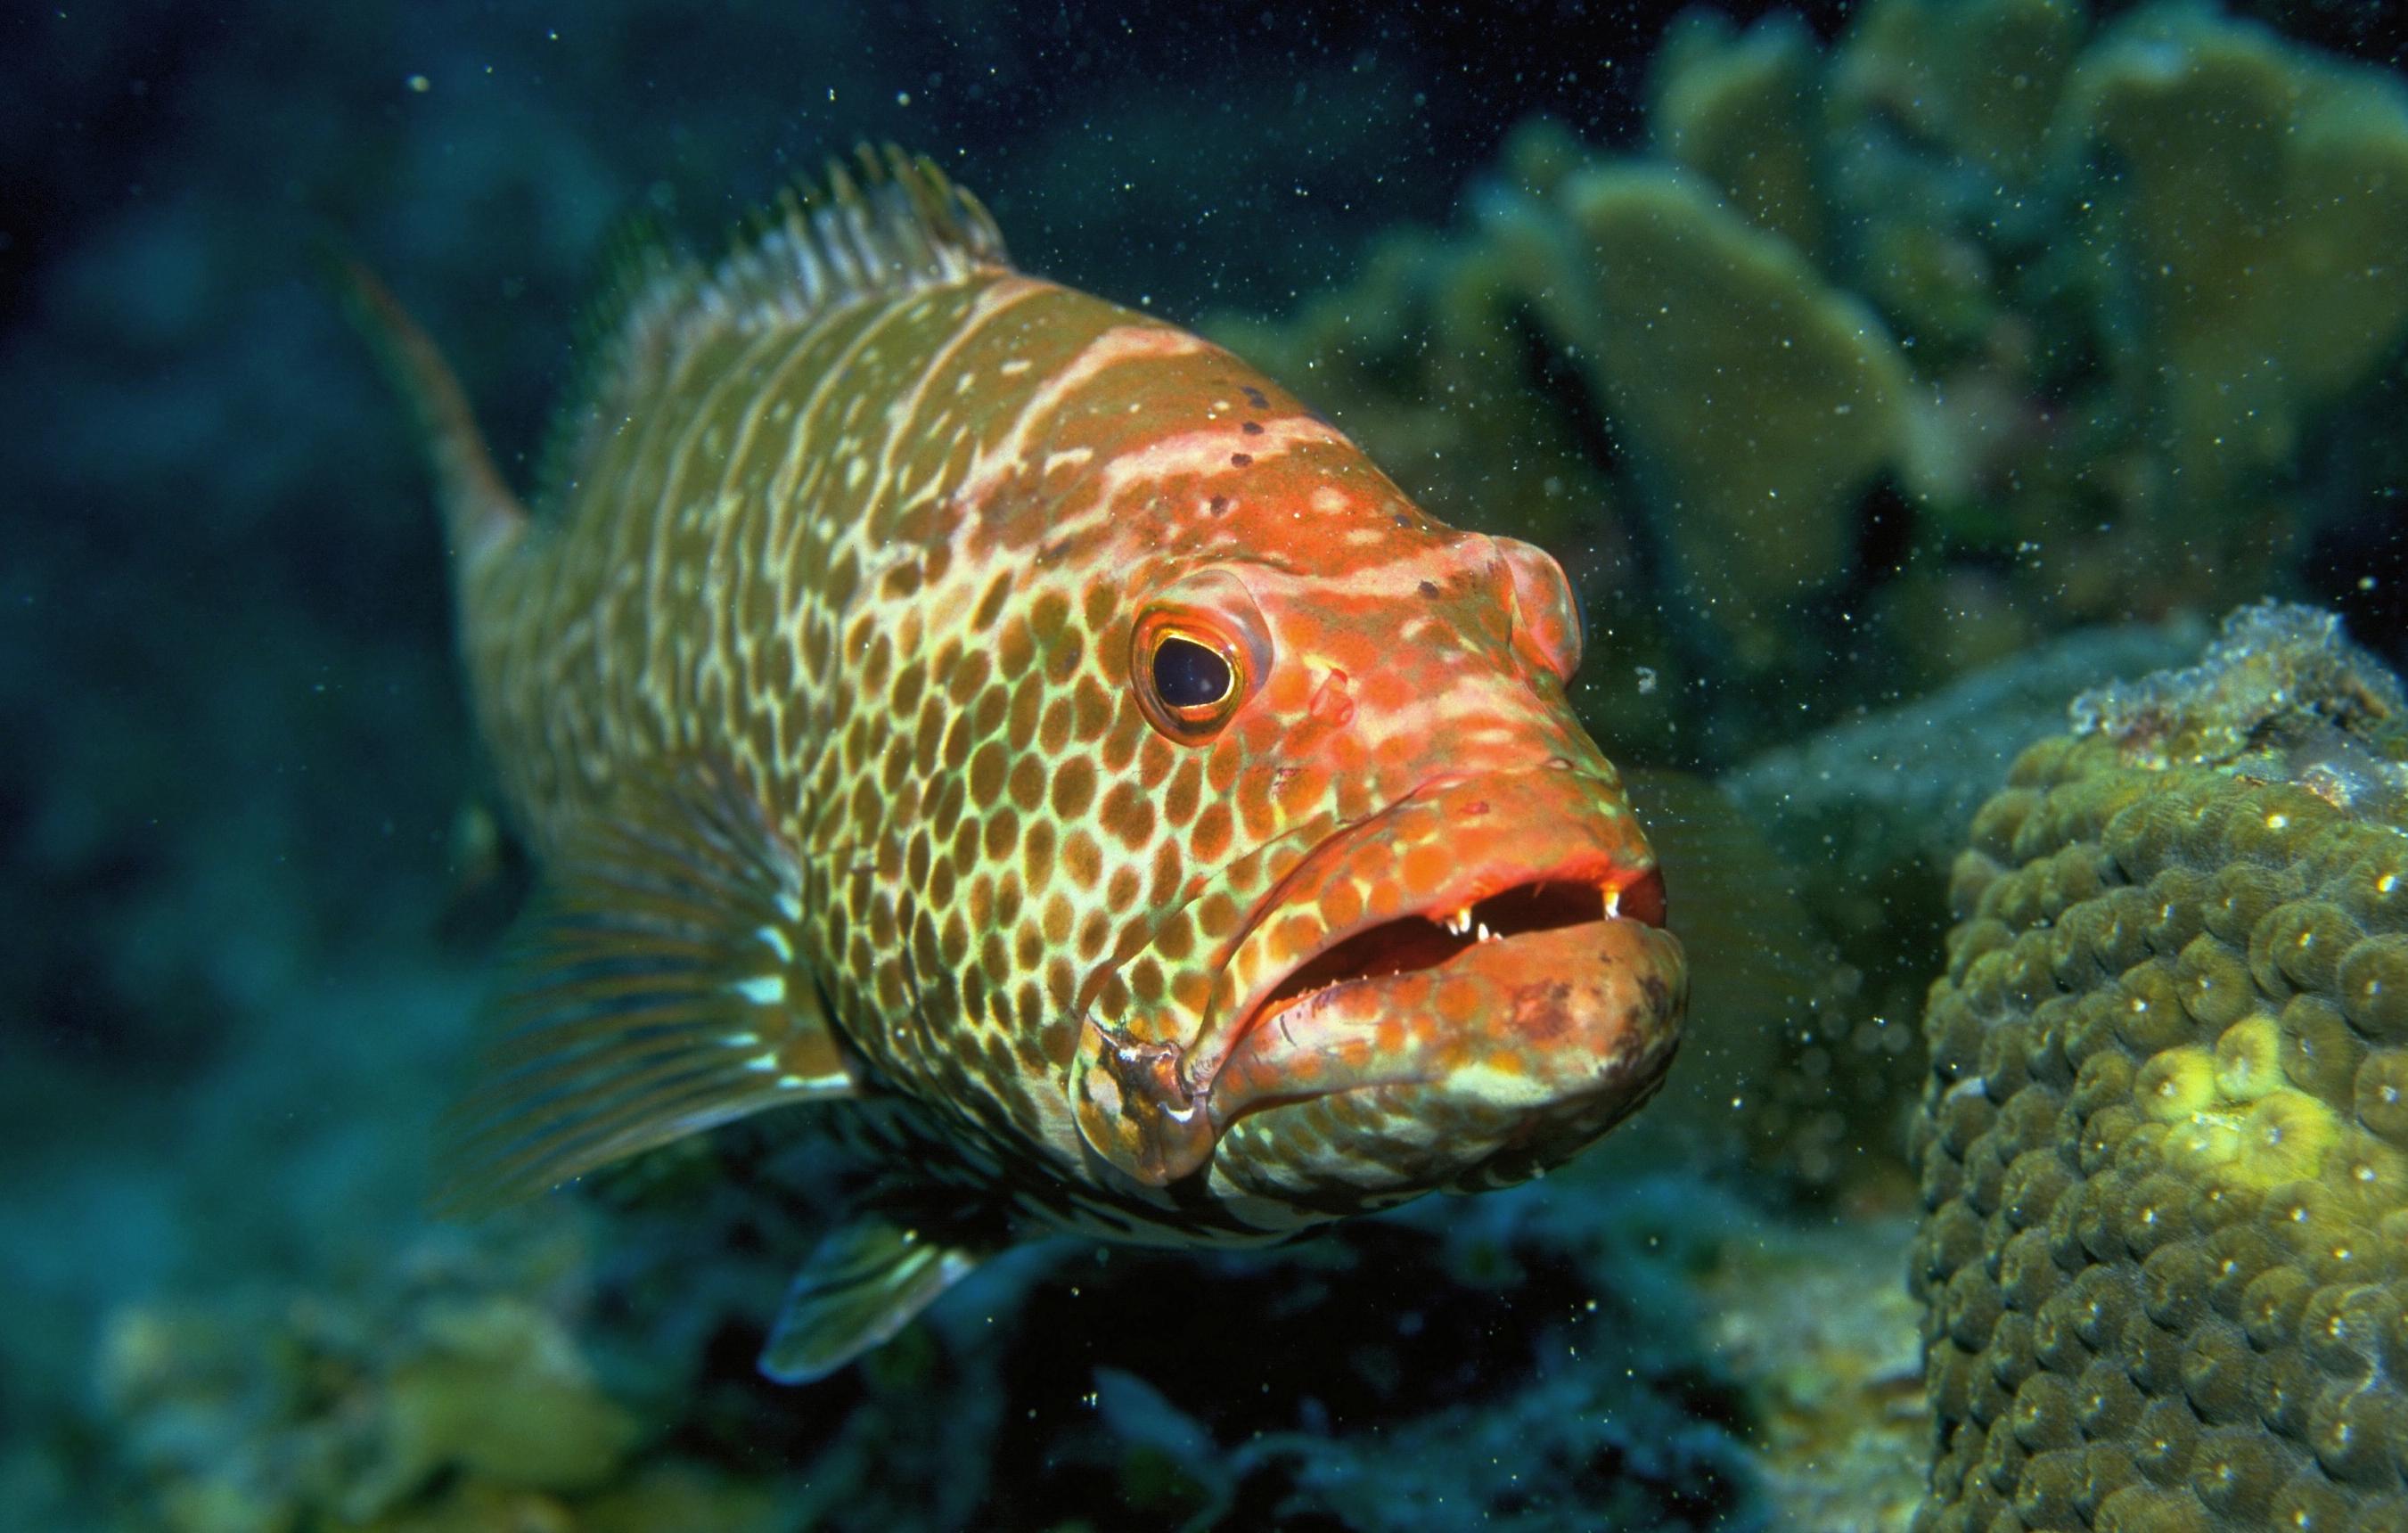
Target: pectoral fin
x,y
867,1280
654,988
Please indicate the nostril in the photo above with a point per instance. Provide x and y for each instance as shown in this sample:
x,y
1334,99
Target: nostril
x,y
1546,613
1641,899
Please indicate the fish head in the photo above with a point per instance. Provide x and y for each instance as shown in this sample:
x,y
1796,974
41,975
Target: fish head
x,y
1433,956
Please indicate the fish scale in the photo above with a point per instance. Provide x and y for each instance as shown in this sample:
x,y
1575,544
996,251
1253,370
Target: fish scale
x,y
1010,722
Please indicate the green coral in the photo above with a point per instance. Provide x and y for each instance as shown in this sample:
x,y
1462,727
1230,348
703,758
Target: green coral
x,y
2249,243
2161,1258
1739,110
1895,357
1758,401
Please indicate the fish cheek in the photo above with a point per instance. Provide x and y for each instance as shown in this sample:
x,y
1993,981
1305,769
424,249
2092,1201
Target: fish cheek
x,y
1180,800
1127,815
1256,812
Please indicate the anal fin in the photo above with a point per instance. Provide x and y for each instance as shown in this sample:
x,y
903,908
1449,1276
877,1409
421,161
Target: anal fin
x,y
654,988
866,1281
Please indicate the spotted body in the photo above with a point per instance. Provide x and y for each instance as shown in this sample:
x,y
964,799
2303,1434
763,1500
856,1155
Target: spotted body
x,y
934,689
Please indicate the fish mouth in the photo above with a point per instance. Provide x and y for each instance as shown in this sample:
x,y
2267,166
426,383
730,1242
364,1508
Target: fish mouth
x,y
1433,938
1474,977
1506,929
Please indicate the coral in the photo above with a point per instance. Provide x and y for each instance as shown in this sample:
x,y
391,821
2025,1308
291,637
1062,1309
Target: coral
x,y
1823,1341
1608,1325
2162,1154
2276,668
1605,1347
1866,804
458,1396
1757,400
2247,264
1893,357
1863,820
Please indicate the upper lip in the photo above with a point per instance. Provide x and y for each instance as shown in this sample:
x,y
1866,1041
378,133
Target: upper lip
x,y
1567,896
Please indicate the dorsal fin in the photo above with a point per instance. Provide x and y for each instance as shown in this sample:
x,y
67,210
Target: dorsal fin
x,y
896,225
480,514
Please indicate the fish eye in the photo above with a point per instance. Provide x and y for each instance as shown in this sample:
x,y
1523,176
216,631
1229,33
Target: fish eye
x,y
1189,675
1198,650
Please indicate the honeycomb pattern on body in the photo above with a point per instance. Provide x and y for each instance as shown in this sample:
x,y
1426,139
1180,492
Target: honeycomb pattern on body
x,y
2164,1153
823,693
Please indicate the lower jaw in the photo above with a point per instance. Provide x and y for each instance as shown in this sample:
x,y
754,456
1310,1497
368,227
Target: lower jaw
x,y
1372,1147
1545,1026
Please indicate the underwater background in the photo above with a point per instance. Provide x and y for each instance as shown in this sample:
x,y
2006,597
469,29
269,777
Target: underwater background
x,y
1886,377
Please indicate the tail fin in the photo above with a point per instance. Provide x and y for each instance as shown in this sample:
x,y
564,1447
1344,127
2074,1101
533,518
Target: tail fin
x,y
482,517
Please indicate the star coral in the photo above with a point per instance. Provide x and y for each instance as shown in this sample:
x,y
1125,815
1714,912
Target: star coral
x,y
2161,1158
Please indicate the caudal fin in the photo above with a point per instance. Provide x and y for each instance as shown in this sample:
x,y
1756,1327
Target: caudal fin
x,y
482,517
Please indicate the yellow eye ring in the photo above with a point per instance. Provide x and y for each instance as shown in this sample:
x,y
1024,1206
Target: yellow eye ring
x,y
1189,676
1189,679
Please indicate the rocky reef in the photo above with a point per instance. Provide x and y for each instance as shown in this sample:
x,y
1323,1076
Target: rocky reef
x,y
2163,1151
1627,1352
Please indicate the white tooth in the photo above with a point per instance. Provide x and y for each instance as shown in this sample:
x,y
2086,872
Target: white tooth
x,y
1613,903
1485,934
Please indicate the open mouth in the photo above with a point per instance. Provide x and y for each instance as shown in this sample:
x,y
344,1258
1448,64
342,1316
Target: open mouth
x,y
1430,940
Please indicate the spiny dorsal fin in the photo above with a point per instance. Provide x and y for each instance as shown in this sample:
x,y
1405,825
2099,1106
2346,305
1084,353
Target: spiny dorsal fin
x,y
653,990
900,224
481,516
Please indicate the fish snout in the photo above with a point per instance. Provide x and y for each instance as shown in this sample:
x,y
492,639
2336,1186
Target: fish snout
x,y
1486,1070
1469,988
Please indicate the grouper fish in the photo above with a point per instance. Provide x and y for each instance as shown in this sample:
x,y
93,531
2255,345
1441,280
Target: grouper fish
x,y
1021,731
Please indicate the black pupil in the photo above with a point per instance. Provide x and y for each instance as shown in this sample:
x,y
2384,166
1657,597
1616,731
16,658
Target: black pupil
x,y
1188,675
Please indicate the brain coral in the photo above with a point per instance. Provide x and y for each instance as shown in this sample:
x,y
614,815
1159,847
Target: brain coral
x,y
2164,1144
